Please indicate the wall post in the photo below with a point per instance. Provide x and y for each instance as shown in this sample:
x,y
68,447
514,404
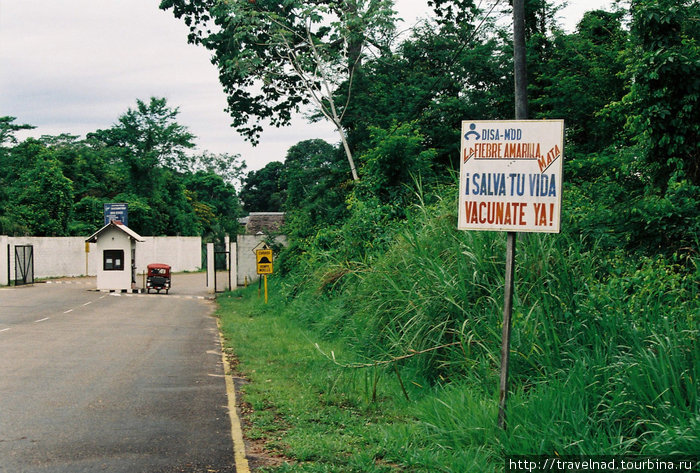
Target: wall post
x,y
234,265
211,268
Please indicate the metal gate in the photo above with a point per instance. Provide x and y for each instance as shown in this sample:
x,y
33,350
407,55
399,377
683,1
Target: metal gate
x,y
24,265
222,271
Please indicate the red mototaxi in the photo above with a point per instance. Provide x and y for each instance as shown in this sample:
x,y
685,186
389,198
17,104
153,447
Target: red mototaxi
x,y
158,277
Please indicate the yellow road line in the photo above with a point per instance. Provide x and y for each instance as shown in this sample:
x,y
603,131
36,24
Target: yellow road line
x,y
236,430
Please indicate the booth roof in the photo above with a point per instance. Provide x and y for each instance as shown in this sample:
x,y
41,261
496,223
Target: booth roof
x,y
132,234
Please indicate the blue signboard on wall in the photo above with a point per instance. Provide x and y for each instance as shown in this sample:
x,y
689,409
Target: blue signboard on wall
x,y
117,213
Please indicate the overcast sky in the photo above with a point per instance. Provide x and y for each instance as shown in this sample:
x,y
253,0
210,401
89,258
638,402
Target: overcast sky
x,y
74,66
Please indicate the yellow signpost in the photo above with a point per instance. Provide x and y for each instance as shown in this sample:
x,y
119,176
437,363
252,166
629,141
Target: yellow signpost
x,y
264,264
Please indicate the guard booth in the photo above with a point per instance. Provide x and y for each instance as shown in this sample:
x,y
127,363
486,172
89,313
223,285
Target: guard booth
x,y
116,250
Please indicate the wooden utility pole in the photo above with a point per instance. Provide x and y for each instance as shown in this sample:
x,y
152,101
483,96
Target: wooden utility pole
x,y
520,59
520,114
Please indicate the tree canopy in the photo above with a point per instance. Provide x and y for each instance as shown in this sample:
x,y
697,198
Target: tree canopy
x,y
58,185
625,82
275,57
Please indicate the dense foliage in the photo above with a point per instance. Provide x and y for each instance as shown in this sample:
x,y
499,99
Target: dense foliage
x,y
58,185
629,99
605,345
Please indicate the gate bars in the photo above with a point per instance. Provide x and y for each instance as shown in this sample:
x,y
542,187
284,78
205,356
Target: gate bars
x,y
24,264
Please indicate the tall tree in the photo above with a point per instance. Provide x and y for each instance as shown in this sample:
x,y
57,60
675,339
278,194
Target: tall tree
x,y
151,134
43,201
314,174
584,74
8,129
264,190
274,57
148,140
664,99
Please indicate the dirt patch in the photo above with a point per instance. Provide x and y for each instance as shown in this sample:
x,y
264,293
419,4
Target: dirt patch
x,y
260,457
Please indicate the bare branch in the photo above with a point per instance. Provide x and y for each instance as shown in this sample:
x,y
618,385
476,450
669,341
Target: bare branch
x,y
384,362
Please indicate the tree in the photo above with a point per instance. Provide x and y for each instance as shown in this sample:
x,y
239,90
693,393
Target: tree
x,y
44,202
8,129
87,215
275,57
151,145
229,166
396,161
151,135
664,100
443,73
264,190
583,75
89,168
57,185
215,202
308,166
314,174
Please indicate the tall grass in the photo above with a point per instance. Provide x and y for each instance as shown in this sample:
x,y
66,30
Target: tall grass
x,y
605,353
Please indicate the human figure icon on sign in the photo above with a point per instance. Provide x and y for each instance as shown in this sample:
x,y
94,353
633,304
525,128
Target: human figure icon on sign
x,y
472,131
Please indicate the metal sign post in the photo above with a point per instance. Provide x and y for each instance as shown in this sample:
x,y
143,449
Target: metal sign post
x,y
505,339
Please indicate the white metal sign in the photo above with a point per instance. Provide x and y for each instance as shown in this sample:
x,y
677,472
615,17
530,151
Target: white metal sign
x,y
511,175
261,246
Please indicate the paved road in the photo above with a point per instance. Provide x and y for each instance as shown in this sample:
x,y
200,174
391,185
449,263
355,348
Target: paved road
x,y
93,382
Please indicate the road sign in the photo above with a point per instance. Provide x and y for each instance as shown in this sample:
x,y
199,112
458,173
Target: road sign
x,y
261,246
511,175
264,259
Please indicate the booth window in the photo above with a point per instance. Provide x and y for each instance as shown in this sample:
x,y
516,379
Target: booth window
x,y
113,260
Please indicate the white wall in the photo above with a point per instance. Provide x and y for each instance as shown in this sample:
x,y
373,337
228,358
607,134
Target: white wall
x,y
65,256
4,241
181,253
53,256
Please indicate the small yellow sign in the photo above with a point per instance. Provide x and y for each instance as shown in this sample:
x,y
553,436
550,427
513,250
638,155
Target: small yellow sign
x,y
264,261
